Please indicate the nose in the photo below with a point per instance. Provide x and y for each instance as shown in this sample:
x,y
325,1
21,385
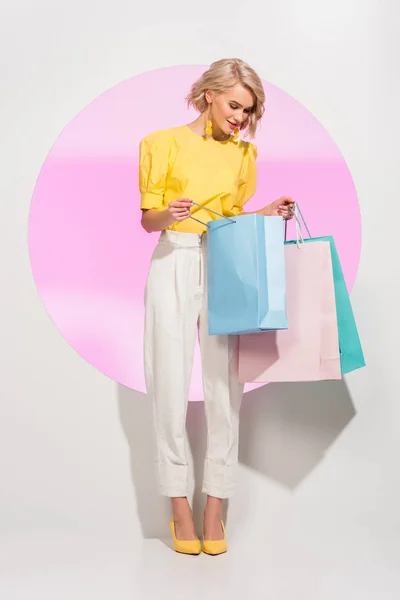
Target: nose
x,y
239,119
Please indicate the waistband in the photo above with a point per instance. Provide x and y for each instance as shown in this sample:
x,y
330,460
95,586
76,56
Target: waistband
x,y
184,240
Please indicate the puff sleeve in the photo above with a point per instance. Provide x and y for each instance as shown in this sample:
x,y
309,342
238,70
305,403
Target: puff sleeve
x,y
247,178
154,151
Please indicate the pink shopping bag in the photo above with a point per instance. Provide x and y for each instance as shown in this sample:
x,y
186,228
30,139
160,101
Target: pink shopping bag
x,y
309,349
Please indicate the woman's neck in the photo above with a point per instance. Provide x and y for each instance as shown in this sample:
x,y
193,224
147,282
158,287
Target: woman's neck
x,y
198,126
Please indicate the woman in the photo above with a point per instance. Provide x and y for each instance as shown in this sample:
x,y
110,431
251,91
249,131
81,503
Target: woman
x,y
203,163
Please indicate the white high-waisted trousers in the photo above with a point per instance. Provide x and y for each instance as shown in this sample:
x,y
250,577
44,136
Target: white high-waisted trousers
x,y
175,310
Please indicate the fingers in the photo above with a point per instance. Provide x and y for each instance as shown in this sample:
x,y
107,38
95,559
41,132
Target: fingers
x,y
285,200
181,215
180,209
185,214
181,203
286,207
286,215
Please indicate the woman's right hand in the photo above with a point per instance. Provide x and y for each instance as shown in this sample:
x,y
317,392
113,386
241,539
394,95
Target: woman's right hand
x,y
179,210
158,220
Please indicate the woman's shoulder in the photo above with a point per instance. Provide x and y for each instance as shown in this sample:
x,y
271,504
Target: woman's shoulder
x,y
164,136
248,149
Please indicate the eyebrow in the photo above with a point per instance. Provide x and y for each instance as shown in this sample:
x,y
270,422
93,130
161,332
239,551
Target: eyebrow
x,y
241,105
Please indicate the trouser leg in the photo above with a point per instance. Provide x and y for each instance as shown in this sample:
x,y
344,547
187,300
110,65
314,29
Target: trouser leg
x,y
171,315
222,397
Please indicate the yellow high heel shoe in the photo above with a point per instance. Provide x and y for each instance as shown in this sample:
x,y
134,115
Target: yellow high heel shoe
x,y
184,546
215,547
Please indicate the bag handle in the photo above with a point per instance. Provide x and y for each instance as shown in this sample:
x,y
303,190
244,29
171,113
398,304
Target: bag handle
x,y
299,234
212,211
297,213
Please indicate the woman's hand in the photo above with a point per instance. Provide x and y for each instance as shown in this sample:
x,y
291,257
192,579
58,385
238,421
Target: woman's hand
x,y
179,210
158,220
283,207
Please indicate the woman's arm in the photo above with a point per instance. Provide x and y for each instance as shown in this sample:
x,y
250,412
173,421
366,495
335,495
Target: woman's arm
x,y
155,220
283,207
266,211
158,220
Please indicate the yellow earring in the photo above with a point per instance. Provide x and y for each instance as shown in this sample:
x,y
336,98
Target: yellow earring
x,y
208,129
236,134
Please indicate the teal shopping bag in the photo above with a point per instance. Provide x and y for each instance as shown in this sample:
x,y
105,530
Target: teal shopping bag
x,y
351,353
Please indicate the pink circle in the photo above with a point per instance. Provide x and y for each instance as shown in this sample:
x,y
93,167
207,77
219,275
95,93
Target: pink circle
x,y
89,254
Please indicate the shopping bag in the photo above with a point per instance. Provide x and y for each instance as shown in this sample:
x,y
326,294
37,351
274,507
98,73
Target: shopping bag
x,y
271,356
246,284
309,349
351,353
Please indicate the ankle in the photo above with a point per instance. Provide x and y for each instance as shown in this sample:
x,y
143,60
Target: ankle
x,y
180,508
213,506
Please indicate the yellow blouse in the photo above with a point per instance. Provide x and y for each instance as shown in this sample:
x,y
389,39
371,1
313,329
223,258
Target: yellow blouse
x,y
178,163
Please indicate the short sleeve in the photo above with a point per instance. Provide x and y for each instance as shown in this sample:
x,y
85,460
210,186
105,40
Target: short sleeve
x,y
154,154
247,178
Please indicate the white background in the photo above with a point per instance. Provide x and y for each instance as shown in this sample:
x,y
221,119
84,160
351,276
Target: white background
x,y
316,512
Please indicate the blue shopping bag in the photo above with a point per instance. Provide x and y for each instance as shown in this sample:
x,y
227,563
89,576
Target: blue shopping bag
x,y
246,284
350,349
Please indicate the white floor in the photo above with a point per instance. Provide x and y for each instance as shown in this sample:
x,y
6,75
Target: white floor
x,y
77,568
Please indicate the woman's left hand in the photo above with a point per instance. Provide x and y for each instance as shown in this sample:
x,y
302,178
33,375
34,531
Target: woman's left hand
x,y
283,207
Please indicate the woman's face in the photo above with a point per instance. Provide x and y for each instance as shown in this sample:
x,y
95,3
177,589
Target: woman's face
x,y
230,109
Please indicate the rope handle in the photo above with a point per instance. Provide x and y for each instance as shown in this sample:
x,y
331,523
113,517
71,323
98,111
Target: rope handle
x,y
297,212
299,234
212,211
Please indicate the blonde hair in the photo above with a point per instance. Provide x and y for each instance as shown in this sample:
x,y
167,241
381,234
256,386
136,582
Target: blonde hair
x,y
219,78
